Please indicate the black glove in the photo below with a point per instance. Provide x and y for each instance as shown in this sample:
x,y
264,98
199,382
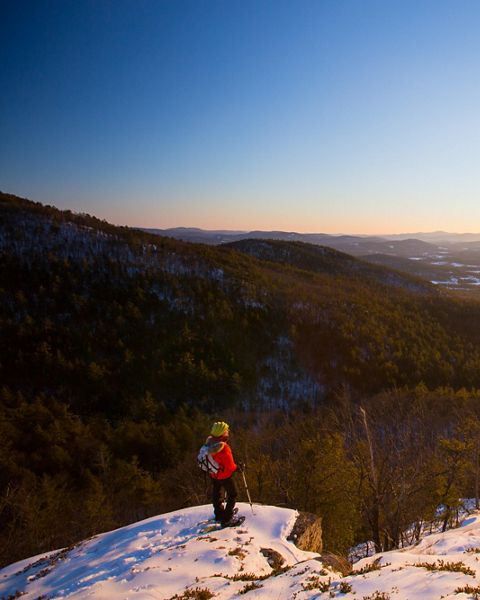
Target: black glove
x,y
241,467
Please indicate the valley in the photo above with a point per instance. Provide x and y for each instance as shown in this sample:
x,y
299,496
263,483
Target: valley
x,y
451,261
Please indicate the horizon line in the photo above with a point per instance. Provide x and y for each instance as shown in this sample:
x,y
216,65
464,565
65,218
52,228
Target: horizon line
x,y
245,231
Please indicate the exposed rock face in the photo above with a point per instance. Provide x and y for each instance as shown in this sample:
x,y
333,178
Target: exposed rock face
x,y
274,558
307,532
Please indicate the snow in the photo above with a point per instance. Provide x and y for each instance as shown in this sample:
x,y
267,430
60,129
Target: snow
x,y
452,281
401,572
158,557
165,555
471,280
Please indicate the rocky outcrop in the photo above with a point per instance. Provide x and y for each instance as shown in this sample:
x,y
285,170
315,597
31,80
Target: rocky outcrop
x,y
307,532
274,558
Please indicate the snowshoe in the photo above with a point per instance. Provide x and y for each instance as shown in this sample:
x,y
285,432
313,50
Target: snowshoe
x,y
234,522
213,525
235,511
214,520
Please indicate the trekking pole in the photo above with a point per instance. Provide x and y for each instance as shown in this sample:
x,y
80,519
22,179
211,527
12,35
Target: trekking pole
x,y
248,492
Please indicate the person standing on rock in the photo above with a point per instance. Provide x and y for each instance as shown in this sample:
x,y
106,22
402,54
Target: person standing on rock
x,y
216,458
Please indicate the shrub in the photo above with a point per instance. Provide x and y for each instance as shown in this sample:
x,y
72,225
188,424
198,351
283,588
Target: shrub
x,y
237,552
253,577
468,589
196,594
373,566
441,565
249,587
345,587
314,583
244,577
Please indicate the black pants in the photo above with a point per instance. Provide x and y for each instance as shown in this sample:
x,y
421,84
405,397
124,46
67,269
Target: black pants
x,y
222,513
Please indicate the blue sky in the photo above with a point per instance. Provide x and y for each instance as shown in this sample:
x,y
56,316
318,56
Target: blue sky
x,y
334,116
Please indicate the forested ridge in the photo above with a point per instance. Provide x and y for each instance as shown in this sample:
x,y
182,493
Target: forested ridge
x,y
119,346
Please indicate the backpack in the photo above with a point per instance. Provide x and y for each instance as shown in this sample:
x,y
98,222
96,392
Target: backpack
x,y
206,462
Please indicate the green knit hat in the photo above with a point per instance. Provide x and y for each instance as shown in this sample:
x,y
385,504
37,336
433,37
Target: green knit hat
x,y
219,428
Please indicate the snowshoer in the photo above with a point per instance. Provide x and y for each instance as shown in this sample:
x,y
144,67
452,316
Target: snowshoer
x,y
216,458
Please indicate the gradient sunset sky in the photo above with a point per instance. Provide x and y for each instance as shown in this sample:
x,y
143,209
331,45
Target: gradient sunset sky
x,y
321,116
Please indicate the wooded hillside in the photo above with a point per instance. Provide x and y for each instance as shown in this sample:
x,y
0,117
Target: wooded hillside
x,y
118,347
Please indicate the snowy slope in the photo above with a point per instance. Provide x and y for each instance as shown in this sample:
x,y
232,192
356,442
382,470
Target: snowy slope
x,y
454,563
158,557
163,556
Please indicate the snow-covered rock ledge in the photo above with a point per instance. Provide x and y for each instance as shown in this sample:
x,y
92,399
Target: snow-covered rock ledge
x,y
180,555
161,556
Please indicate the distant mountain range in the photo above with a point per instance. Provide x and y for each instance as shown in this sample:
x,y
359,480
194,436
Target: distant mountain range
x,y
451,260
220,236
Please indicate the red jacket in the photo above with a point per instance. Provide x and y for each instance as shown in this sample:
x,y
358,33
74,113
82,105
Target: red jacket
x,y
222,454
